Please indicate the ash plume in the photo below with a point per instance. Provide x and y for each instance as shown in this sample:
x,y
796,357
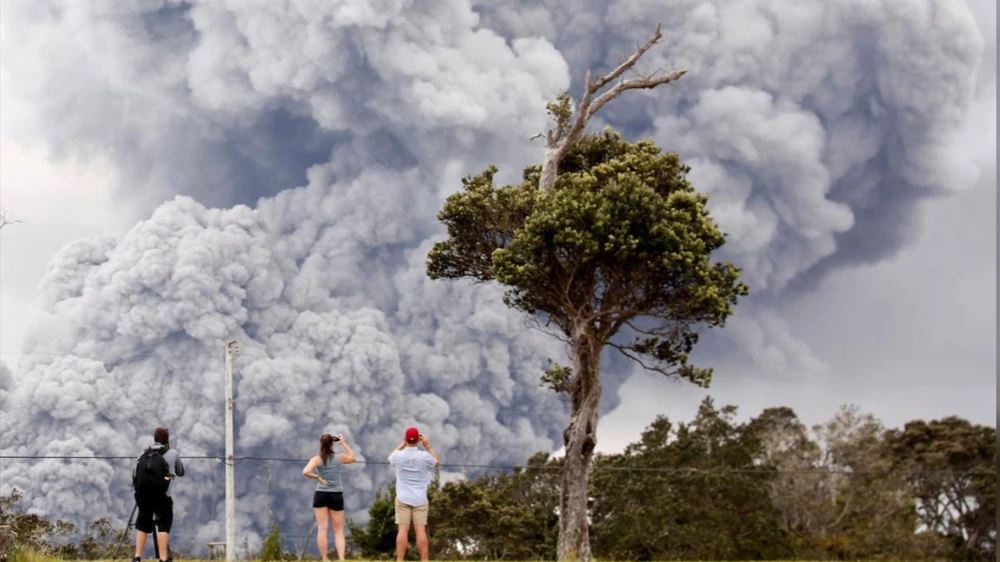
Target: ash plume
x,y
287,160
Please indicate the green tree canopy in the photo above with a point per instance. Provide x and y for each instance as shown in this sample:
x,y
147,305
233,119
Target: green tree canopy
x,y
701,498
622,241
504,516
377,540
951,466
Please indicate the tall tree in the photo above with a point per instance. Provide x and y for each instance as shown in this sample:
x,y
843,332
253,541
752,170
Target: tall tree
x,y
556,268
617,255
951,465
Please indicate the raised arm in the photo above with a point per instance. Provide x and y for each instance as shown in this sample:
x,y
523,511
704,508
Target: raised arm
x,y
402,445
348,457
427,445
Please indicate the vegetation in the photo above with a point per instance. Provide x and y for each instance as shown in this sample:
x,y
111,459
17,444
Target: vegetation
x,y
717,489
713,488
377,540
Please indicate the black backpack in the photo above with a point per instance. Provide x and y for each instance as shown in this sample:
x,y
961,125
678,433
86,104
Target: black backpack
x,y
152,474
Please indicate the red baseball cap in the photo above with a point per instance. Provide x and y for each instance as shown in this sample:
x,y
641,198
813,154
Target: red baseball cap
x,y
412,435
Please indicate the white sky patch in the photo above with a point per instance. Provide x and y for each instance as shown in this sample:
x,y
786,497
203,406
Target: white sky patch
x,y
913,337
59,203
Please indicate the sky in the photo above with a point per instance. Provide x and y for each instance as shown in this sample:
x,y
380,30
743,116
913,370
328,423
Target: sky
x,y
188,171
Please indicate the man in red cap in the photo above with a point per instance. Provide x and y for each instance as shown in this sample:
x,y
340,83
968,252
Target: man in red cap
x,y
413,475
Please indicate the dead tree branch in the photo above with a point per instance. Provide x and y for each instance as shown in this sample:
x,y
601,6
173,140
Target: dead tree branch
x,y
5,220
570,127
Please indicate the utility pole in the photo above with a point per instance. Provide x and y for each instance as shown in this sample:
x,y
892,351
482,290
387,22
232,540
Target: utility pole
x,y
231,348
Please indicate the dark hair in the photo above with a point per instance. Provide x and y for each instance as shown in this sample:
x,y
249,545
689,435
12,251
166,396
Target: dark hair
x,y
162,436
326,447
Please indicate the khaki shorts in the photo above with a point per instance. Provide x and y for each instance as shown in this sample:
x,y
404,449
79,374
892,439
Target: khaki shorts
x,y
406,514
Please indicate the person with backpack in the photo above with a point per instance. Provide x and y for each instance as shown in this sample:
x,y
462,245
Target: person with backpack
x,y
328,499
154,469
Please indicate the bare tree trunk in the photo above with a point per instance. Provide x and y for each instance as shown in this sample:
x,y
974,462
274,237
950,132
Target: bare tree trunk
x,y
550,168
580,439
305,546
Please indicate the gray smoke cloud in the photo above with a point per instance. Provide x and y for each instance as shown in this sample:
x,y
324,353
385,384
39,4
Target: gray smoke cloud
x,y
312,361
815,126
288,160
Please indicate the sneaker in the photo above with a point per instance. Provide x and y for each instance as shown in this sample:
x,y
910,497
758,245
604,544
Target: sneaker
x,y
136,559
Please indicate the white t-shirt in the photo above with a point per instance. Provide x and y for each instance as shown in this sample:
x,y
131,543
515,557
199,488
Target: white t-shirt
x,y
413,474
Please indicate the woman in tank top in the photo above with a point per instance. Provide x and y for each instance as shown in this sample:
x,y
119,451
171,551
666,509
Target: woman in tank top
x,y
328,500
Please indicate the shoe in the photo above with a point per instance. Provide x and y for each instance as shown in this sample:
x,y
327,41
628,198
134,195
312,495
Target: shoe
x,y
136,559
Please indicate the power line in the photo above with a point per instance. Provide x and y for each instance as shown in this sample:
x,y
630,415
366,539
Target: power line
x,y
597,467
210,354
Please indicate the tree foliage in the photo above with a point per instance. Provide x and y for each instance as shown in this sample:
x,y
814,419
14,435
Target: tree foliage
x,y
377,540
702,499
35,533
623,241
859,507
714,488
273,547
950,465
499,516
709,489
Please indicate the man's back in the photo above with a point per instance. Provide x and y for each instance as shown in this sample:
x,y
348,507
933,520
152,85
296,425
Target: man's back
x,y
175,467
413,474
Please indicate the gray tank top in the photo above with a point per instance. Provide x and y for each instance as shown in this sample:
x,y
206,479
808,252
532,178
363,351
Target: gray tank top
x,y
331,473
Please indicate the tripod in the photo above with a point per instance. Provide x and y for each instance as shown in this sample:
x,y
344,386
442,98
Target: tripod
x,y
156,542
125,532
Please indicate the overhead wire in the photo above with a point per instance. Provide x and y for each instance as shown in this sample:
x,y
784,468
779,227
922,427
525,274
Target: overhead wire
x,y
594,467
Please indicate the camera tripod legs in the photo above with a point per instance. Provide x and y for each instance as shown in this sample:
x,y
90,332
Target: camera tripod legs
x,y
125,532
156,541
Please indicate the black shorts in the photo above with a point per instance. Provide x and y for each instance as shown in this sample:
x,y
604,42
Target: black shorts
x,y
160,505
334,501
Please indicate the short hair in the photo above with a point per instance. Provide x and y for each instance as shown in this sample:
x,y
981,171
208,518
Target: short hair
x,y
161,435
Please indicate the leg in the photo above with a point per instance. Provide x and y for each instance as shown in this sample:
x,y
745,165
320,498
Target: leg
x,y
322,522
143,523
402,538
422,545
404,514
121,541
140,543
420,526
164,521
162,538
338,532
